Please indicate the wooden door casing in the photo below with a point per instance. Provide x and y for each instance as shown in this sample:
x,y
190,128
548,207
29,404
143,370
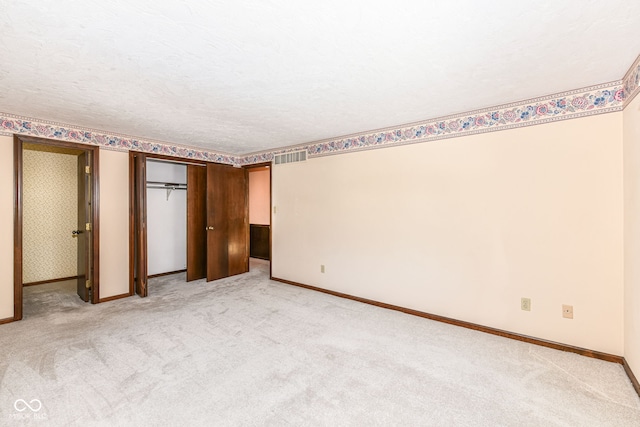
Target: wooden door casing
x,y
93,217
82,236
140,176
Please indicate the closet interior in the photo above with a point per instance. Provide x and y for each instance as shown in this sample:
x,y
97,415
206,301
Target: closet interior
x,y
166,217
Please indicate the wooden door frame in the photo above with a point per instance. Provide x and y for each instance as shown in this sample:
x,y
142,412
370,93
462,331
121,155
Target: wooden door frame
x,y
255,166
132,204
18,141
141,260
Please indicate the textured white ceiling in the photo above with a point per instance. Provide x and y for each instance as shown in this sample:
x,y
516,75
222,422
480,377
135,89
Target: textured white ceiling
x,y
244,76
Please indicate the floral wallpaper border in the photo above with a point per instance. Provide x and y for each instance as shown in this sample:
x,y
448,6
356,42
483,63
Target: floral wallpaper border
x,y
10,124
631,81
598,99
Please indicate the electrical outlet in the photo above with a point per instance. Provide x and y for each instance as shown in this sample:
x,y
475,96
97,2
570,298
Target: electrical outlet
x,y
525,304
321,268
274,209
567,311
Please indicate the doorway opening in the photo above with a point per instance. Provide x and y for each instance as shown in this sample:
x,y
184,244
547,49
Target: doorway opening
x,y
260,214
55,225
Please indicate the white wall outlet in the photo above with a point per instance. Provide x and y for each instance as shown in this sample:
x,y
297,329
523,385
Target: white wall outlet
x,y
321,268
525,304
567,311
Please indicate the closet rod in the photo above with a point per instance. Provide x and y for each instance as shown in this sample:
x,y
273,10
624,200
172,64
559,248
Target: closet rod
x,y
157,184
154,185
151,187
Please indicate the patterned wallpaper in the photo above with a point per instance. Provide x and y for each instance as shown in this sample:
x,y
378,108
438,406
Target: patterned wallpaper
x,y
50,214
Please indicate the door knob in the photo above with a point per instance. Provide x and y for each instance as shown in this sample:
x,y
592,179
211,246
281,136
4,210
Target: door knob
x,y
209,228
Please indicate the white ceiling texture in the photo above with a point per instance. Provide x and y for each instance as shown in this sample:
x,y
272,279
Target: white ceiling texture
x,y
245,76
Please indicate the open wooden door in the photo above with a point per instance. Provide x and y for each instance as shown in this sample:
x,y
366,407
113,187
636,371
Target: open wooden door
x,y
83,233
196,222
140,220
227,221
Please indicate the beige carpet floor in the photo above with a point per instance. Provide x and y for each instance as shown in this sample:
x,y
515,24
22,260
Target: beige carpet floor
x,y
251,352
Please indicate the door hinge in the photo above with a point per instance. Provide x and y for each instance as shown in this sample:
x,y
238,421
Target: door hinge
x,y
87,169
88,284
87,226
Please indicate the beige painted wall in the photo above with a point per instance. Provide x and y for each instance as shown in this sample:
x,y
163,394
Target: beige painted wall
x,y
259,200
466,227
6,228
50,213
461,228
632,234
114,223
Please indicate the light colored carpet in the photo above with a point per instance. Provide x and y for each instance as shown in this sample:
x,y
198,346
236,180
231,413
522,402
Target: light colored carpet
x,y
248,351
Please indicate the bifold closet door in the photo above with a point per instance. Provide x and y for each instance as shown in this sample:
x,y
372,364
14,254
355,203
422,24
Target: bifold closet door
x,y
227,221
217,222
196,222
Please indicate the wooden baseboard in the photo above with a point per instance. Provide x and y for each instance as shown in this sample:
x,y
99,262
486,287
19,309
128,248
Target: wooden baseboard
x,y
43,282
7,320
166,274
115,297
632,377
506,334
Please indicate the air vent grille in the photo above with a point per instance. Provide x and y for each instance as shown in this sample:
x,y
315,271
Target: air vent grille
x,y
296,156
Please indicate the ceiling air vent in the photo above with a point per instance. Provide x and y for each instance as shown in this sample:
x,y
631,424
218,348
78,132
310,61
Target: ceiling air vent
x,y
296,156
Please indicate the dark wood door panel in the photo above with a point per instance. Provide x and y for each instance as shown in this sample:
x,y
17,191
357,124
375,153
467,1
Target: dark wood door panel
x,y
259,241
217,222
196,222
227,221
237,205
